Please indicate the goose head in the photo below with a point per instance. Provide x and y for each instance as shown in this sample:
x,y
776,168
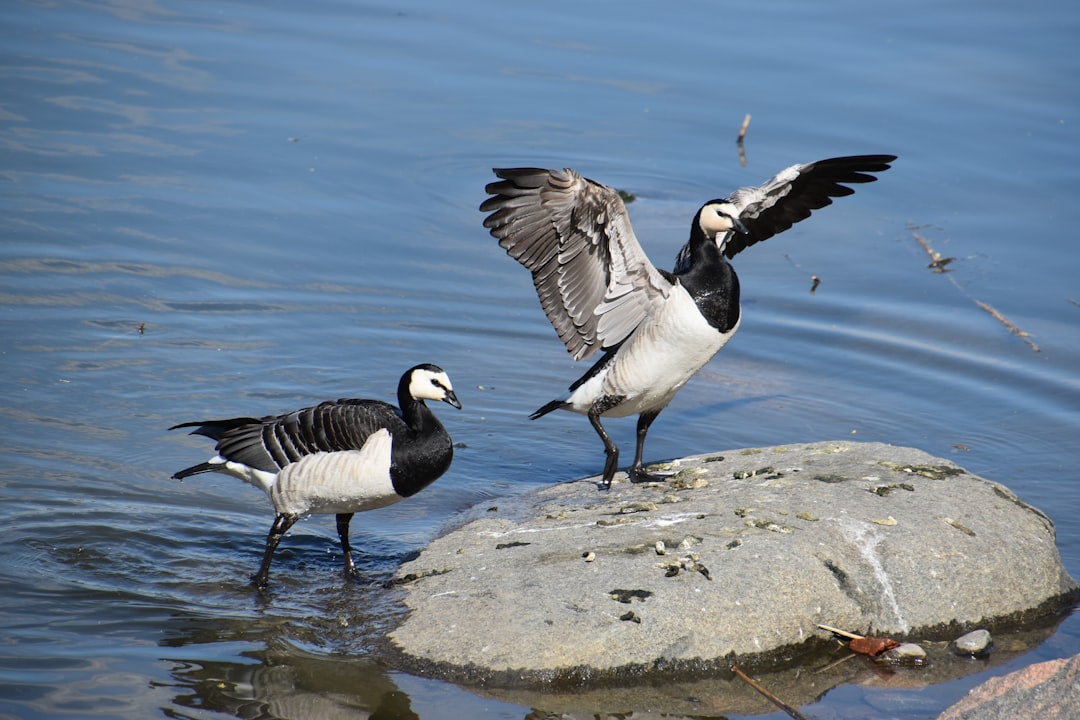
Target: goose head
x,y
430,382
717,218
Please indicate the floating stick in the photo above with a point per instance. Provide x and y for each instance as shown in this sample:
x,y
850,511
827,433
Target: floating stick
x,y
742,136
938,263
772,698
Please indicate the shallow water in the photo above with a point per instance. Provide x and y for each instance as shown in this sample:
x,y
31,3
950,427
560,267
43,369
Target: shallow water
x,y
242,208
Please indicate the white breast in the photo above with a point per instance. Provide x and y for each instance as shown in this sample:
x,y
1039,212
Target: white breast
x,y
338,482
657,360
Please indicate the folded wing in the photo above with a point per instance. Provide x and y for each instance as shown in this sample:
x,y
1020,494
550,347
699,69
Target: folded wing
x,y
271,443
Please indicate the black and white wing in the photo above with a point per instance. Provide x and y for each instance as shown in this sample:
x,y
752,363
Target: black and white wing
x,y
594,281
791,195
272,442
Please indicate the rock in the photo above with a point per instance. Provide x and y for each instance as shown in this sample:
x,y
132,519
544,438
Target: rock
x,y
1043,691
905,654
976,642
872,538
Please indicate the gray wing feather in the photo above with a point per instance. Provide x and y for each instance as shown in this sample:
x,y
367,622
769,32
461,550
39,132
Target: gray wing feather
x,y
594,281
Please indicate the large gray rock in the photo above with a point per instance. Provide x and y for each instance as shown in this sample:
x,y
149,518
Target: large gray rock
x,y
1043,691
761,546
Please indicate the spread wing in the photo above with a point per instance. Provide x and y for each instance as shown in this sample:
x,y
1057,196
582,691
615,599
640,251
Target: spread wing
x,y
791,195
594,281
271,443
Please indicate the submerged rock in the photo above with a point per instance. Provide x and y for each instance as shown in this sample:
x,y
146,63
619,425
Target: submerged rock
x,y
908,654
976,643
869,537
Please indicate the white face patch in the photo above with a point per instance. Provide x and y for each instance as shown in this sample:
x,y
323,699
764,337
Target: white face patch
x,y
428,385
716,219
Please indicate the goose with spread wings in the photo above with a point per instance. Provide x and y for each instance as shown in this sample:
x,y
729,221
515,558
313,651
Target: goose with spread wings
x,y
653,329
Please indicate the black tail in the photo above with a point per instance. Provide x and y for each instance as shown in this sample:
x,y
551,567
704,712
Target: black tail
x,y
553,405
214,429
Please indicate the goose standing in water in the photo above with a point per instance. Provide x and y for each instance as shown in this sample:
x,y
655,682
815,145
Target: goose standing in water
x,y
343,456
598,289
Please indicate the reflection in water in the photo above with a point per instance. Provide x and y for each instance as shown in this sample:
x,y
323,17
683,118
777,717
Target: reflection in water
x,y
292,688
808,679
282,682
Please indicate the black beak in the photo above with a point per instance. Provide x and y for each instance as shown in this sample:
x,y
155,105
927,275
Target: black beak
x,y
451,399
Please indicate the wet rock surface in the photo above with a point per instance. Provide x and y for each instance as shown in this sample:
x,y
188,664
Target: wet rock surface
x,y
1044,691
738,556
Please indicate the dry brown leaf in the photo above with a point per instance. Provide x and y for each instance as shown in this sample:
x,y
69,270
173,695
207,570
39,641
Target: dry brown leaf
x,y
872,645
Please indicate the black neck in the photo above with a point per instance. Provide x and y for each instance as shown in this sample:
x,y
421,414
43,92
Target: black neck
x,y
424,453
712,282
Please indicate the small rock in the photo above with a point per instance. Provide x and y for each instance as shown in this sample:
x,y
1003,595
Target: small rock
x,y
974,643
689,479
688,542
588,556
615,521
746,474
907,654
637,507
661,549
697,566
775,527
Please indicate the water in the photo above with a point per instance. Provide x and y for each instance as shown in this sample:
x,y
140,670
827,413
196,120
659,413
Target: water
x,y
241,208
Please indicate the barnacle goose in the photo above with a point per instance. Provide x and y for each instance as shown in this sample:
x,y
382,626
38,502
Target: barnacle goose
x,y
342,456
600,292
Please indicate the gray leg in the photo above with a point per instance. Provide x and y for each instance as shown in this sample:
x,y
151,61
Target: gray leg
x,y
637,470
343,520
281,525
610,448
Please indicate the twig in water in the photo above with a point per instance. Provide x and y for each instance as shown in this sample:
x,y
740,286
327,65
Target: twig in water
x,y
834,663
772,698
841,633
815,281
742,136
1008,324
742,130
937,263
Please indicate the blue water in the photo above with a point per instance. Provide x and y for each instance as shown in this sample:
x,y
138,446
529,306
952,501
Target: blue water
x,y
214,209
